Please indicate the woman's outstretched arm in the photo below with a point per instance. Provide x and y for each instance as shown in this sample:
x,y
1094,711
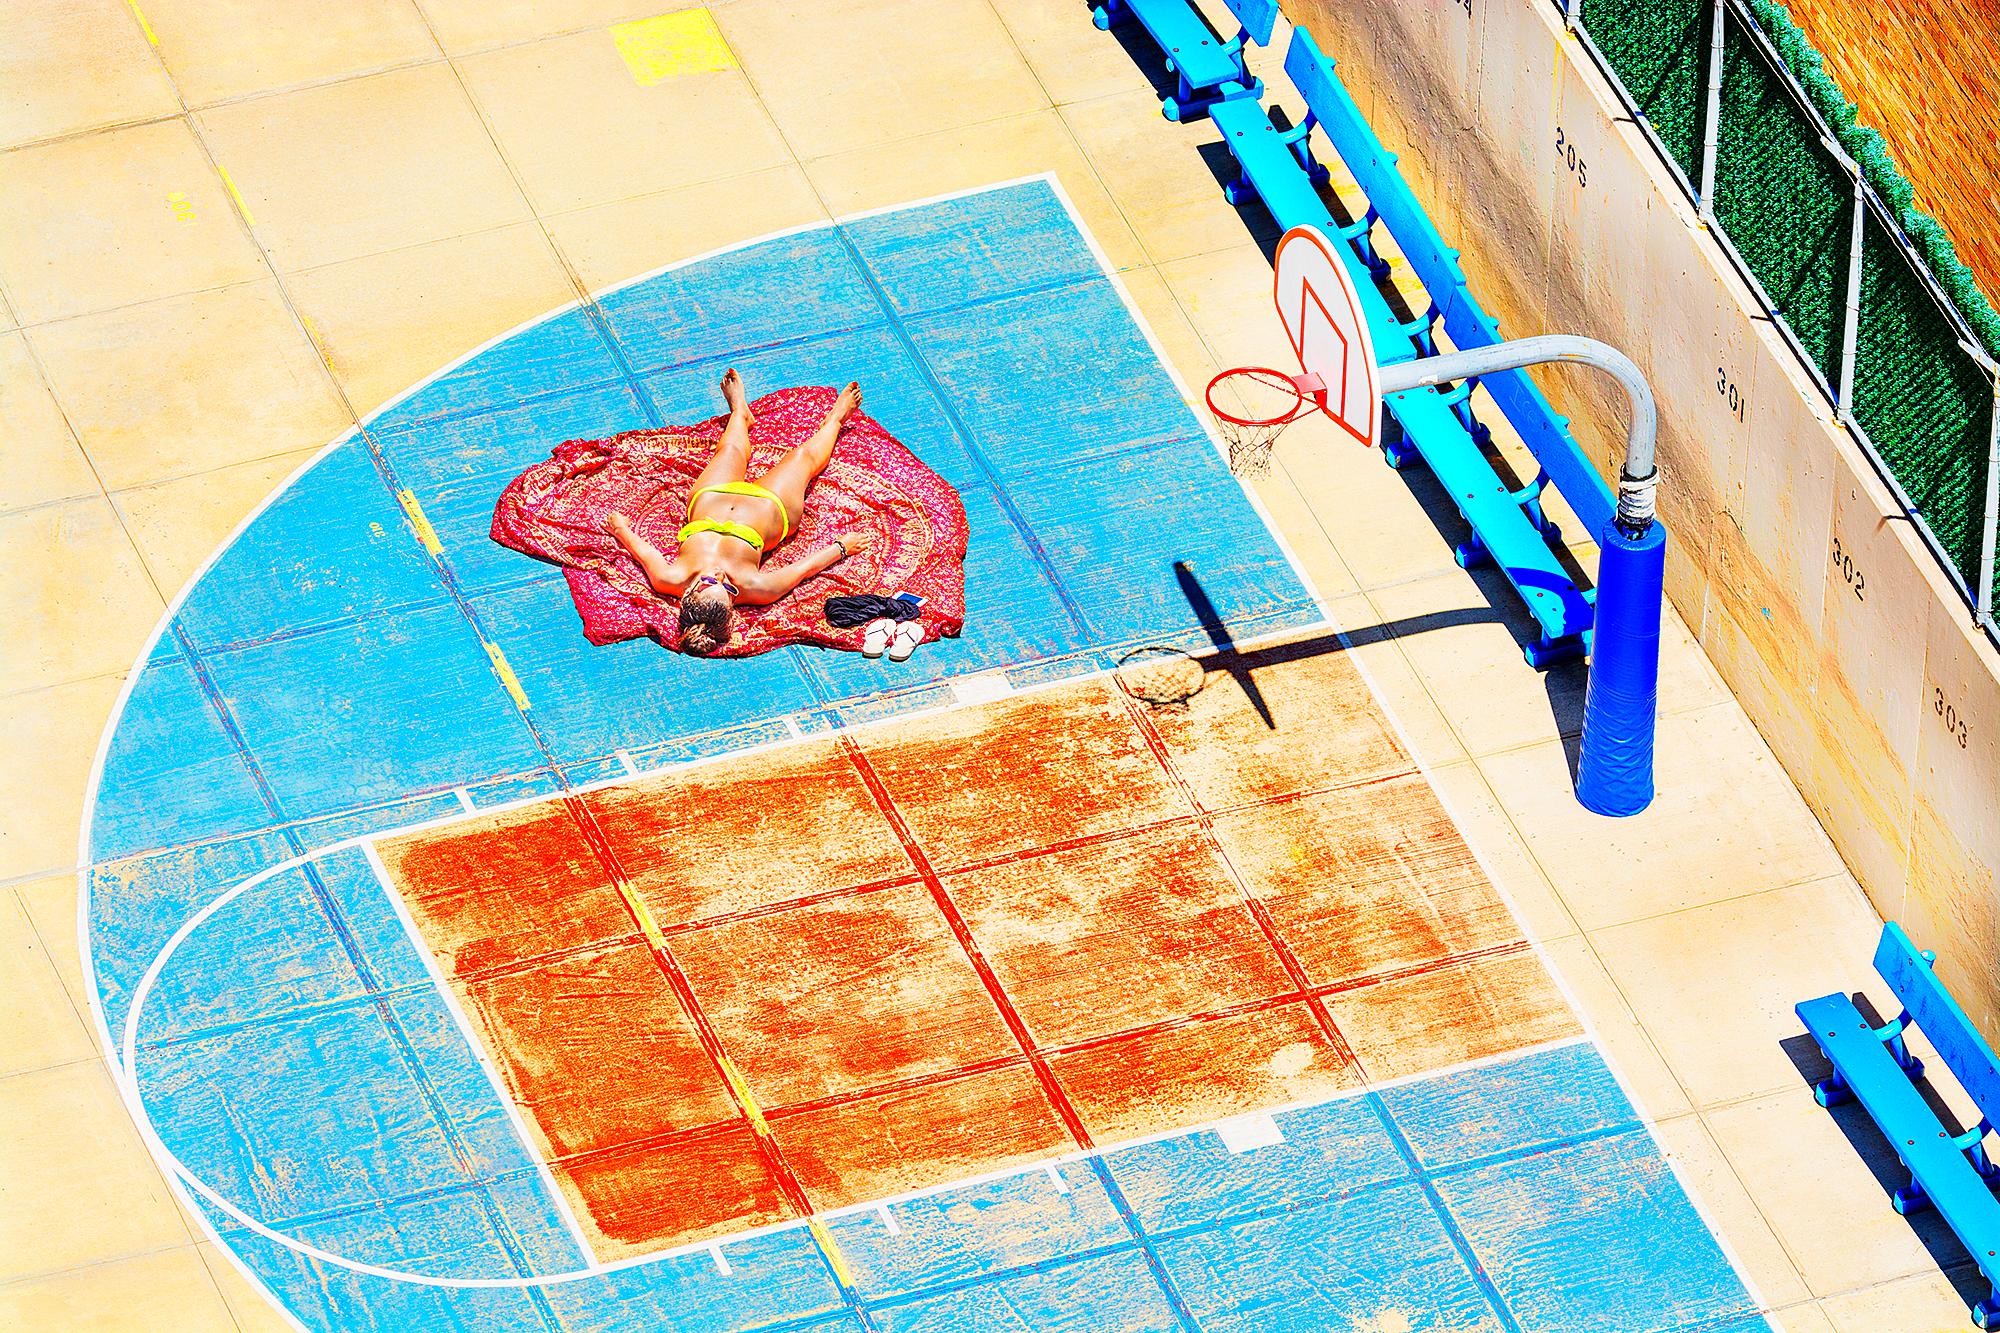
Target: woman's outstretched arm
x,y
660,572
772,584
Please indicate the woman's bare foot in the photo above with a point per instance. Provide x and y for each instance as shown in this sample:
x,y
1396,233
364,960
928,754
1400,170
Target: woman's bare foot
x,y
846,405
732,393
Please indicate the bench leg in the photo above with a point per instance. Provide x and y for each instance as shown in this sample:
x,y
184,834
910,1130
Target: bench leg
x,y
1529,497
1471,553
1986,1314
1910,1198
1109,14
1397,450
1316,172
1239,191
1364,246
1983,1164
1187,103
1908,1063
1546,651
1832,1092
1463,411
1191,103
1481,433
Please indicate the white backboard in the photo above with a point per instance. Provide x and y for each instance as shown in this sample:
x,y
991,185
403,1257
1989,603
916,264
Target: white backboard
x,y
1322,316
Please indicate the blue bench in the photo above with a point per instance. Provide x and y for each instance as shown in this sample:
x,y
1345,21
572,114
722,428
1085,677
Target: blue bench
x,y
1541,428
1209,69
1873,1065
1509,528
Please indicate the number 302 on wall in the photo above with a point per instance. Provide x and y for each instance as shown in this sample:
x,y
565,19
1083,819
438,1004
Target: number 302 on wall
x,y
1843,565
1566,154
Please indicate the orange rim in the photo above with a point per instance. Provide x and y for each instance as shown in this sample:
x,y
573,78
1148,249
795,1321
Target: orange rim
x,y
1269,378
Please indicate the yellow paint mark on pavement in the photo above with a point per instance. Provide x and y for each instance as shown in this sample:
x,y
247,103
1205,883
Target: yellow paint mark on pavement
x,y
421,522
640,912
312,333
507,676
666,47
841,1273
151,38
754,1112
229,183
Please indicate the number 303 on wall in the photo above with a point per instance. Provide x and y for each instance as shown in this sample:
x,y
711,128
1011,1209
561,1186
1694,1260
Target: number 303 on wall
x,y
1954,724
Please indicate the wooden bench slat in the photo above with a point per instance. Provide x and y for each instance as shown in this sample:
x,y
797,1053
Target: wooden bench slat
x,y
1938,1014
1354,139
1515,543
1189,42
1258,18
1270,165
1210,67
1468,325
1905,1118
1950,1182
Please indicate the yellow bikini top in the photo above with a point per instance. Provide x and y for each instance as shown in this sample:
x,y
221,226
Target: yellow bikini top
x,y
742,532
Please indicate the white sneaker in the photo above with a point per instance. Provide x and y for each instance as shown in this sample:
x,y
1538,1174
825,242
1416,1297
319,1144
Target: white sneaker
x,y
905,640
875,638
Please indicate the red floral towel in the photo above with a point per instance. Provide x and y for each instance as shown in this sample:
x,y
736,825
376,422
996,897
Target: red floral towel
x,y
555,512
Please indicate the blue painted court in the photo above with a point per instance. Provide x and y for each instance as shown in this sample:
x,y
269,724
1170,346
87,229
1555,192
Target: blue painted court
x,y
361,659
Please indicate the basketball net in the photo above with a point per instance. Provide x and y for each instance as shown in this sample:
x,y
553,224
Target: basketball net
x,y
1252,405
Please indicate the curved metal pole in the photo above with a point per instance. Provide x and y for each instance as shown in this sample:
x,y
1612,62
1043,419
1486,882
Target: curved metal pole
x,y
1640,476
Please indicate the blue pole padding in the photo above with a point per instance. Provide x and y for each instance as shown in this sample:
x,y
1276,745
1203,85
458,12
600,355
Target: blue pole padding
x,y
1614,771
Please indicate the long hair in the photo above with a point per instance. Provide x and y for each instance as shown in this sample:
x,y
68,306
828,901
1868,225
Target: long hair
x,y
704,624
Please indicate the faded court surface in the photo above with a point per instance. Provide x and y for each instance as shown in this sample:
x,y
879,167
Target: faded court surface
x,y
493,980
725,1006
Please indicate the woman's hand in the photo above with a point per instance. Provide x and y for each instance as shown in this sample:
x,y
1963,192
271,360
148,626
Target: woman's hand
x,y
854,543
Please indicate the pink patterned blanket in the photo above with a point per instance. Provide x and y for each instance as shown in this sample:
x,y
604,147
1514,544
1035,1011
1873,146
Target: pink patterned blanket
x,y
555,512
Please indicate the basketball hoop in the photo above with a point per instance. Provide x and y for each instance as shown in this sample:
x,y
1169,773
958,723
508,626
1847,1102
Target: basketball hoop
x,y
1267,402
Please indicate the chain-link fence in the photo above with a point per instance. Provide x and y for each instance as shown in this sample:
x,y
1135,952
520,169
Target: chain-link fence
x,y
1864,286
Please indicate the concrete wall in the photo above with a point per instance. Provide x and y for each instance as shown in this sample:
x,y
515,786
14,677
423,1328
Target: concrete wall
x,y
1813,597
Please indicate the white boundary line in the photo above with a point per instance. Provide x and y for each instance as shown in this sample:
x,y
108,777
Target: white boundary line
x,y
1403,735
463,1022
123,1072
187,1180
84,865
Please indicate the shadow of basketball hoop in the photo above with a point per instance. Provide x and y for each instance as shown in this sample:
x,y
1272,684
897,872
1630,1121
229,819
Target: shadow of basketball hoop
x,y
1161,677
1168,678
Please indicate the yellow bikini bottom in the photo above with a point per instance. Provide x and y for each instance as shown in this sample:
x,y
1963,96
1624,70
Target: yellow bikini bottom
x,y
743,532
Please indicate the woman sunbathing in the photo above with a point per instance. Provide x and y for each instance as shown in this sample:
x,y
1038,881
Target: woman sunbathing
x,y
732,524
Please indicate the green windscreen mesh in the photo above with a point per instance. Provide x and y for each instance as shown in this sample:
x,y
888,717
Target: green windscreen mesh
x,y
1787,206
1660,50
1922,400
1783,201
